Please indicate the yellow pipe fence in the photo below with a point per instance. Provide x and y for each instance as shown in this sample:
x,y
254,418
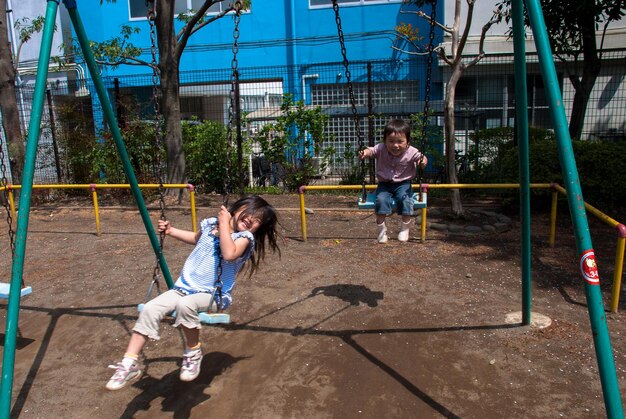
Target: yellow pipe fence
x,y
556,189
94,194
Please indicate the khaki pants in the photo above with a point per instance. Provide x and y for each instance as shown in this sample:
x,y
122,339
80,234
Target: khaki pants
x,y
187,308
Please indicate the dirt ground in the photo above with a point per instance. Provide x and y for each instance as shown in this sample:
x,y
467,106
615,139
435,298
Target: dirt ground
x,y
338,327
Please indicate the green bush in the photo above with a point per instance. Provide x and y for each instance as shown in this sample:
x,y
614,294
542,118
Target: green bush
x,y
297,136
206,152
601,165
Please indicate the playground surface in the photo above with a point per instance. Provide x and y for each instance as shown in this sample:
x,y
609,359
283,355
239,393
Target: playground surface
x,y
338,327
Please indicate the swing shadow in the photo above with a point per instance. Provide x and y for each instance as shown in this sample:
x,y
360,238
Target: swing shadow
x,y
178,396
55,314
181,397
20,343
354,295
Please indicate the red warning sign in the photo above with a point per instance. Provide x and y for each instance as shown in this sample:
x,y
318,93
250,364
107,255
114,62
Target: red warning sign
x,y
589,268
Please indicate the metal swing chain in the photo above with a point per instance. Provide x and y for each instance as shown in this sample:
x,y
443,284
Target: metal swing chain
x,y
357,126
234,81
7,205
6,201
158,139
429,67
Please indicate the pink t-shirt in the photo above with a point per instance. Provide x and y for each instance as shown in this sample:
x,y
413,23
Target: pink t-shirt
x,y
390,168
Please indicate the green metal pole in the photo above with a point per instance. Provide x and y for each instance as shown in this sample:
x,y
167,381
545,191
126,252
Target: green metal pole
x,y
13,310
587,263
521,127
117,136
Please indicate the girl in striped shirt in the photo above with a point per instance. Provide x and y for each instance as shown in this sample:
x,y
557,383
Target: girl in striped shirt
x,y
224,243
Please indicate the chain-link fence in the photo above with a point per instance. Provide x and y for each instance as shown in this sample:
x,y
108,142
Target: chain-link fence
x,y
73,119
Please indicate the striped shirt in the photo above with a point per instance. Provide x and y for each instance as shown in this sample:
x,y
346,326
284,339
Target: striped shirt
x,y
200,269
390,168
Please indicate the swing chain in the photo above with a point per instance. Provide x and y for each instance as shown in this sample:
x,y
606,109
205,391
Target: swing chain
x,y
158,136
6,200
355,117
217,292
232,107
429,66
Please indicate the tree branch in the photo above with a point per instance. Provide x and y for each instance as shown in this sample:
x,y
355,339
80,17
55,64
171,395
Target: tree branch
x,y
431,21
466,30
483,34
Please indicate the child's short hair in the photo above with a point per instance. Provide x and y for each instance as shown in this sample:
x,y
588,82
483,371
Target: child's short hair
x,y
397,126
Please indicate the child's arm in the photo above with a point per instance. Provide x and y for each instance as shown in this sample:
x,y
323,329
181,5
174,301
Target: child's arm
x,y
231,249
366,153
422,160
184,236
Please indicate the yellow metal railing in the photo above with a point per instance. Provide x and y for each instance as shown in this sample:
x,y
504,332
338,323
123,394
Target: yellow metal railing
x,y
94,194
556,189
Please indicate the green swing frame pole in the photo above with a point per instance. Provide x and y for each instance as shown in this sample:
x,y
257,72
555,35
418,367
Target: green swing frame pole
x,y
8,359
604,353
117,136
521,127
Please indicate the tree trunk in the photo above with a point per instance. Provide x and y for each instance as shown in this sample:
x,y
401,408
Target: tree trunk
x,y
169,60
591,70
173,130
448,117
8,103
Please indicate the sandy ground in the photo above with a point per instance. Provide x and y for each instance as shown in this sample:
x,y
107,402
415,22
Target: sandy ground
x,y
338,327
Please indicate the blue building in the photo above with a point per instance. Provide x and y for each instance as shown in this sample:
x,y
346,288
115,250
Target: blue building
x,y
289,46
288,33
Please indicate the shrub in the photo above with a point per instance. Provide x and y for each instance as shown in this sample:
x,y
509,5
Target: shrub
x,y
601,166
292,142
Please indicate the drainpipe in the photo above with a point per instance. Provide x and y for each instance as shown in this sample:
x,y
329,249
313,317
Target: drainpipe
x,y
304,78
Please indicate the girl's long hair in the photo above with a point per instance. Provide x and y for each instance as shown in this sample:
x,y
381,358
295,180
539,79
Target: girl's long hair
x,y
267,233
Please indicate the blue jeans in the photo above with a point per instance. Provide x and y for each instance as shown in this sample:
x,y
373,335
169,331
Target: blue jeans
x,y
400,192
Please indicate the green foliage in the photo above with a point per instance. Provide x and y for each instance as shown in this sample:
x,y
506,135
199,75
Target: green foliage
x,y
433,144
77,141
211,166
115,51
205,148
567,21
294,140
601,165
354,175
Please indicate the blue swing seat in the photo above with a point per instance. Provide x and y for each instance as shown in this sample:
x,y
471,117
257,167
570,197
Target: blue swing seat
x,y
205,318
370,201
5,290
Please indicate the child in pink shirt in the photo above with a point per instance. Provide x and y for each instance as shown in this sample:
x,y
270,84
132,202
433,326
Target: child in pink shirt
x,y
396,163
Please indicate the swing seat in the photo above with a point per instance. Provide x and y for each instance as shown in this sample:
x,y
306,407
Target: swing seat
x,y
370,201
5,290
205,318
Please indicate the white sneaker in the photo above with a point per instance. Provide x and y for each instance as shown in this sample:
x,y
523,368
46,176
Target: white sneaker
x,y
382,233
190,369
403,235
123,375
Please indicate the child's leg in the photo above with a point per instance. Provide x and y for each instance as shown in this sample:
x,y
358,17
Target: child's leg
x,y
383,209
128,369
404,199
135,345
192,338
187,310
147,326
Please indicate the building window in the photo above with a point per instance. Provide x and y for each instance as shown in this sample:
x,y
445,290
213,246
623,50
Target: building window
x,y
492,101
329,3
138,8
